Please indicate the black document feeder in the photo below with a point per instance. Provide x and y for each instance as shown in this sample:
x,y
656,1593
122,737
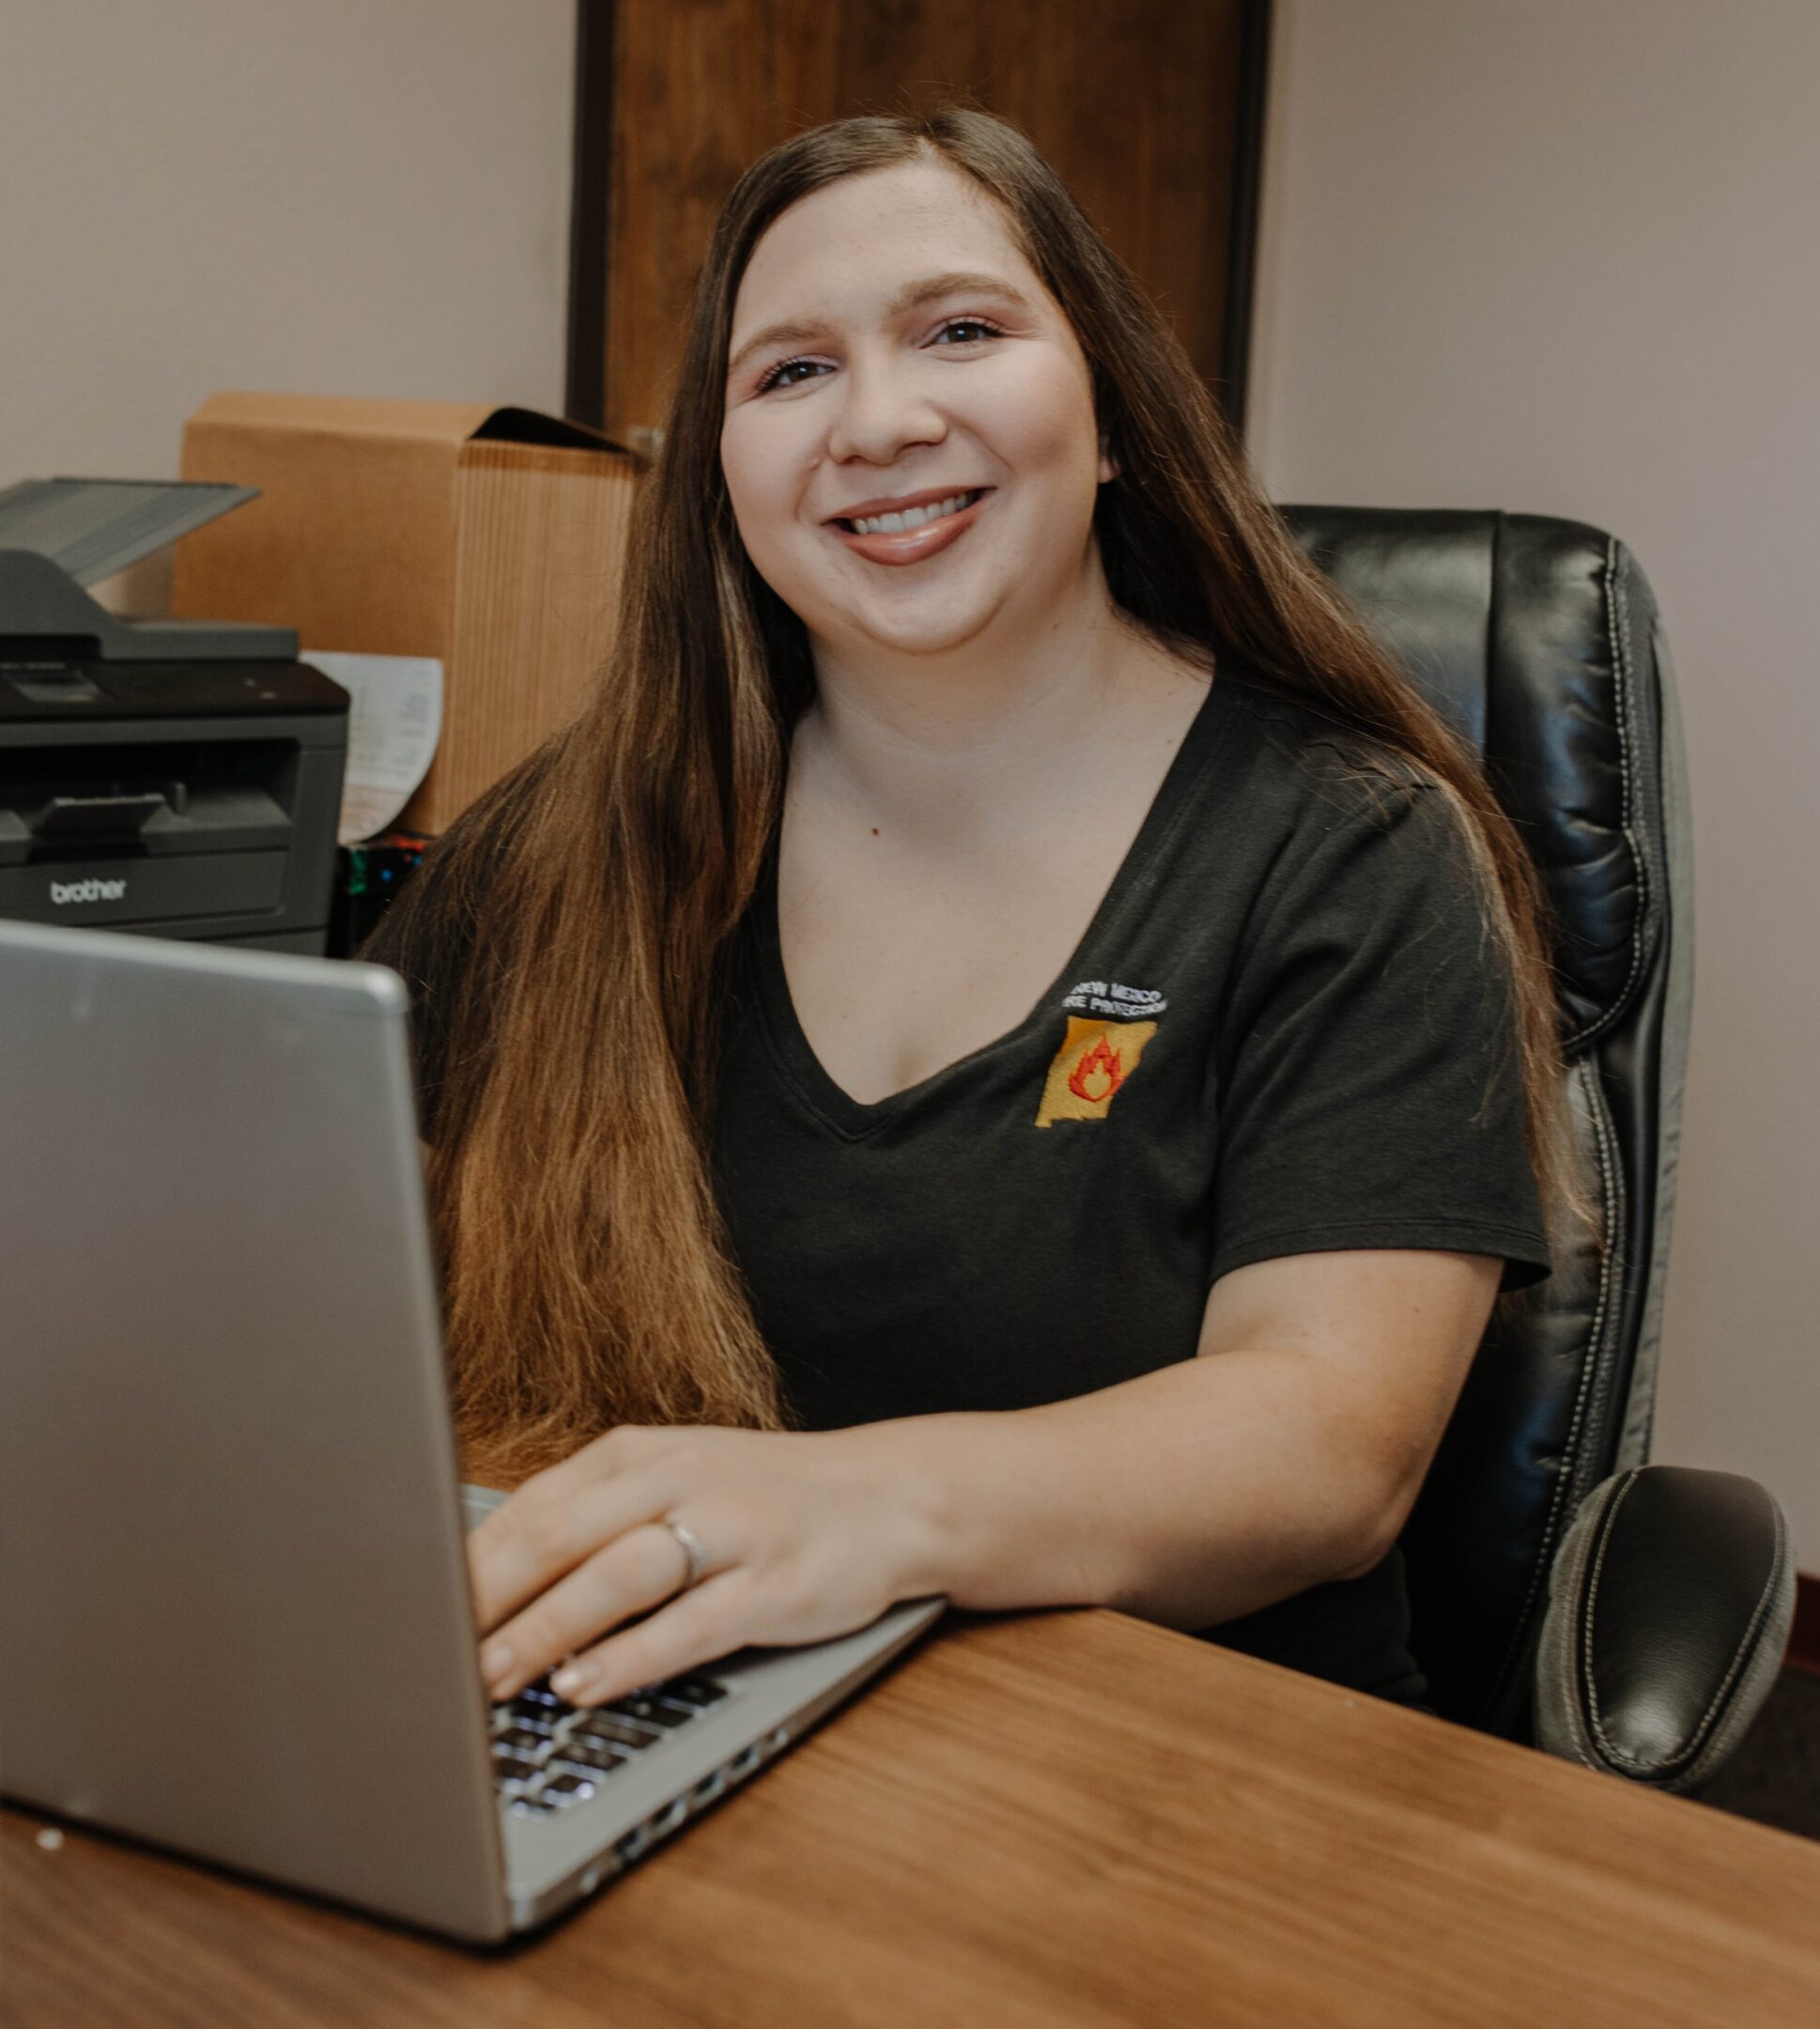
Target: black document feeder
x,y
159,776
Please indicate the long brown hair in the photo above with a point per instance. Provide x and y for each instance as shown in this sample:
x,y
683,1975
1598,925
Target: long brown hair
x,y
587,1279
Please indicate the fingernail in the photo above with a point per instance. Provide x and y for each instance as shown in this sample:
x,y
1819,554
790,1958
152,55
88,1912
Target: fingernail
x,y
566,1682
495,1661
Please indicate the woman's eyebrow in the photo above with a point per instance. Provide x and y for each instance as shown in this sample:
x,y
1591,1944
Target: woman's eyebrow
x,y
912,294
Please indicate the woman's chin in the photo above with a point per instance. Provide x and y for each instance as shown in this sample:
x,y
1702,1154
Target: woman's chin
x,y
914,627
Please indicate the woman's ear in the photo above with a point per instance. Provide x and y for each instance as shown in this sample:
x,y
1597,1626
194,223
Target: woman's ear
x,y
1109,464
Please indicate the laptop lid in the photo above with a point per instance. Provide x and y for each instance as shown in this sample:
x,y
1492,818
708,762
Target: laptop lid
x,y
221,1628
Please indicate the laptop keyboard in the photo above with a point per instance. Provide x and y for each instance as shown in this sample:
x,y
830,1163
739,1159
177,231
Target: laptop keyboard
x,y
549,1753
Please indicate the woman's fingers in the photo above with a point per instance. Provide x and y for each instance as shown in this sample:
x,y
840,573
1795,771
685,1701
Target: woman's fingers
x,y
700,1626
801,1548
542,1534
641,1568
727,1611
633,1474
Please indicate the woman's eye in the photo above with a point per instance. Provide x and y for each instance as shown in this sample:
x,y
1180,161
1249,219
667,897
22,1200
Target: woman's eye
x,y
966,331
793,372
789,373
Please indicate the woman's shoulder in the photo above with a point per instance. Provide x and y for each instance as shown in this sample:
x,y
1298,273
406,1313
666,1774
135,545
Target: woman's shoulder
x,y
1308,768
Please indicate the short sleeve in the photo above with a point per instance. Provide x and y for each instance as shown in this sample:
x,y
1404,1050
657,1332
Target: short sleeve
x,y
1368,1089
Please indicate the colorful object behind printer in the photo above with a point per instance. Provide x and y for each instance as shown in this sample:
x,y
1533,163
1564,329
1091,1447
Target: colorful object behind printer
x,y
177,778
367,880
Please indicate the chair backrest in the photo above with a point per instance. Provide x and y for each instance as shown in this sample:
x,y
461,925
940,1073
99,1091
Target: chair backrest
x,y
1540,640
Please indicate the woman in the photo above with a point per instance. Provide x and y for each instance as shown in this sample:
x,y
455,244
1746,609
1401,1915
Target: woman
x,y
1008,1054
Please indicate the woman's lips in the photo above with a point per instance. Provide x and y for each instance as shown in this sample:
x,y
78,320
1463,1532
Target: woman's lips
x,y
913,545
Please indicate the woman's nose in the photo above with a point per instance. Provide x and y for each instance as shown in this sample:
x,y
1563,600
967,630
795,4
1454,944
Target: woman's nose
x,y
883,412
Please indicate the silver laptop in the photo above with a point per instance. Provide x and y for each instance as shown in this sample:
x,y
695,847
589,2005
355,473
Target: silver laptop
x,y
234,1607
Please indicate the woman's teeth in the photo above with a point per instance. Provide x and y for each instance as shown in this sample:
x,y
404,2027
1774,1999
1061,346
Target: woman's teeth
x,y
912,518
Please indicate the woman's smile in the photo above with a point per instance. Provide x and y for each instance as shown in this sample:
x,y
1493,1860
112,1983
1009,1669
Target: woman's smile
x,y
907,530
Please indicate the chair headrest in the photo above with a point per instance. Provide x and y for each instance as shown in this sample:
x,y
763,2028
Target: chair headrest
x,y
1538,638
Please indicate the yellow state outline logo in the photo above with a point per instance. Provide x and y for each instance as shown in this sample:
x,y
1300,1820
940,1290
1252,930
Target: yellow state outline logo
x,y
1095,1059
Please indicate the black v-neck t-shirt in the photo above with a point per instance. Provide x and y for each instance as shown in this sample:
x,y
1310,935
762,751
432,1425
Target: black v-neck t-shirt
x,y
1286,1030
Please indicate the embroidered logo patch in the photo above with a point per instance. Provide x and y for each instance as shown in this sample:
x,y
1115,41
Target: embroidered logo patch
x,y
1090,1067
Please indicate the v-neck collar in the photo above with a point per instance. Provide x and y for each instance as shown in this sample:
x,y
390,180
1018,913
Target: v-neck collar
x,y
854,1119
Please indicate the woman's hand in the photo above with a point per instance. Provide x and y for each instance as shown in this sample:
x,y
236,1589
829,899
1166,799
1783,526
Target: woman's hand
x,y
807,1535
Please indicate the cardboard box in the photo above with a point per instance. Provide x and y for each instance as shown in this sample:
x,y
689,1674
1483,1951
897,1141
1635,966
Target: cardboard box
x,y
491,538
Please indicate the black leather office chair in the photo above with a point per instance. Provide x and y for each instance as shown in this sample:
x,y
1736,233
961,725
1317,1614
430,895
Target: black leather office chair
x,y
1564,1591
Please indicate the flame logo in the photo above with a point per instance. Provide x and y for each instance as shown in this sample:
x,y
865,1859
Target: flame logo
x,y
1101,1061
1090,1069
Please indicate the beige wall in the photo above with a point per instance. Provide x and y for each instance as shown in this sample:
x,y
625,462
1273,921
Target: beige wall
x,y
1560,256
339,197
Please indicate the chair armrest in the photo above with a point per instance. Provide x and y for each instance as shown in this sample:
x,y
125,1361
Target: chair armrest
x,y
1669,1610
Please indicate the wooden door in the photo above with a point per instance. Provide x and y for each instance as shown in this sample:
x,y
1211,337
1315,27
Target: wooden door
x,y
1148,108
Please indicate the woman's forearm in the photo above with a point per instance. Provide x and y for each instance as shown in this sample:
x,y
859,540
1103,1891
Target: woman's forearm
x,y
1187,1496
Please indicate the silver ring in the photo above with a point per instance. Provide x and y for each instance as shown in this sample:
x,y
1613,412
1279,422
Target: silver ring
x,y
697,1558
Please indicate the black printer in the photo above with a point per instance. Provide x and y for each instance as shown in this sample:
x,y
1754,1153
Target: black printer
x,y
176,778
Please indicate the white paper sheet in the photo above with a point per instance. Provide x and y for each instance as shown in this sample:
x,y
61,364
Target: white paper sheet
x,y
393,729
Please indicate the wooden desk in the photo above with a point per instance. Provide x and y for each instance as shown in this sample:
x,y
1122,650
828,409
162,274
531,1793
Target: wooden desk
x,y
1051,1818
